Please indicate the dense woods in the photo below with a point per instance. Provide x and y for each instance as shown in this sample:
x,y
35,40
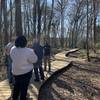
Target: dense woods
x,y
64,23
72,28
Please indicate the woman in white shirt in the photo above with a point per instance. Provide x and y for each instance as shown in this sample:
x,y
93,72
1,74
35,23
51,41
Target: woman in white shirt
x,y
22,66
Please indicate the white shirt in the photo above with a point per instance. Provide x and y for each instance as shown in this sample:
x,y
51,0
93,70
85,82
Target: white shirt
x,y
22,60
8,47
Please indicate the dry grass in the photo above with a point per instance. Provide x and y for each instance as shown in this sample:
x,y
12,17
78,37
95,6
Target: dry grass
x,y
80,82
3,72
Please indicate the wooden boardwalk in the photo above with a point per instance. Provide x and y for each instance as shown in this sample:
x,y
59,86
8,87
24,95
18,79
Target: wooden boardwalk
x,y
59,62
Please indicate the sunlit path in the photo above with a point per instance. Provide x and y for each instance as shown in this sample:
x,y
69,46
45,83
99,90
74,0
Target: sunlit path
x,y
5,90
59,62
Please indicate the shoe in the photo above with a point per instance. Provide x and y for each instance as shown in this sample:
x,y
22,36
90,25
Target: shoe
x,y
36,80
49,70
44,69
10,98
10,82
42,79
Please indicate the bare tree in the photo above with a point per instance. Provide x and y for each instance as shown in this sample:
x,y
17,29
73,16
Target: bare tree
x,y
34,18
11,20
95,6
5,30
0,18
87,38
0,22
50,21
61,6
39,12
39,20
18,18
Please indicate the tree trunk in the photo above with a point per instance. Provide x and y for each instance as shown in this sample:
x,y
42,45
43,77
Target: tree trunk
x,y
94,25
0,23
18,18
62,24
4,6
62,29
45,14
87,38
39,21
11,19
49,25
0,19
34,18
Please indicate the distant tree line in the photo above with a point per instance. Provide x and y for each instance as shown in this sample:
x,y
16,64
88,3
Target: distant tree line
x,y
64,23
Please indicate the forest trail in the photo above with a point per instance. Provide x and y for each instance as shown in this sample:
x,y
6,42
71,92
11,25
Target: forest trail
x,y
60,60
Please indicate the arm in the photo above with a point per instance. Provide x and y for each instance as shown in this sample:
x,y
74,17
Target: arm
x,y
32,57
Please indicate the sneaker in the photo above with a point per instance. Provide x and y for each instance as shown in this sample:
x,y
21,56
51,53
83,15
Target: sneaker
x,y
44,69
49,70
36,80
42,79
10,98
10,82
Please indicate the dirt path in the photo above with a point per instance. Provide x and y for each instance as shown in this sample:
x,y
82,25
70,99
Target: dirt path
x,y
80,82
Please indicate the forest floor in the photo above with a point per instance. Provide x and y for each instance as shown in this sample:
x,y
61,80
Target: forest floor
x,y
80,82
3,72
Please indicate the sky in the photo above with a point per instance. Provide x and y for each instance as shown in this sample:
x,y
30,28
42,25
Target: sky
x,y
49,1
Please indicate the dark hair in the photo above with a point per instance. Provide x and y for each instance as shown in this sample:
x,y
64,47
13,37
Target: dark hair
x,y
21,41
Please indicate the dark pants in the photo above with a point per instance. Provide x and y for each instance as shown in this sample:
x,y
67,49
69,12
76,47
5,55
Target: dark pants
x,y
21,86
9,69
47,62
38,70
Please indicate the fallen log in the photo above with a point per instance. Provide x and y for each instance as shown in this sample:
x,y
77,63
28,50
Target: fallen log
x,y
71,51
52,76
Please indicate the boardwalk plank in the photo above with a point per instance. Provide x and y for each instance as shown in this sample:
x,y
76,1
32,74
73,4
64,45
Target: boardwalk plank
x,y
34,87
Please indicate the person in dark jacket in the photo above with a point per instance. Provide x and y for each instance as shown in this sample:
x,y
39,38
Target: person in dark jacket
x,y
47,53
38,70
